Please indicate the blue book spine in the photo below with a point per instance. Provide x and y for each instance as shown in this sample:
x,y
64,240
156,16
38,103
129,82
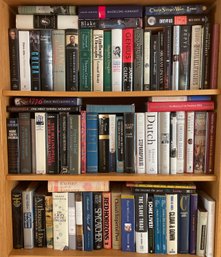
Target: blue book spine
x,y
157,223
88,221
199,98
163,210
92,142
128,223
193,223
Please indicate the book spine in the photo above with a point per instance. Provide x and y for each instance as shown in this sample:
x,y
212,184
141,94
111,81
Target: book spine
x,y
160,59
98,60
164,224
73,109
33,145
49,221
195,66
108,108
138,59
71,221
92,142
88,221
193,223
44,21
85,55
172,223
202,217
40,135
46,60
151,123
34,37
14,59
150,223
13,145
176,55
128,59
140,143
79,221
162,190
71,59
116,220
141,231
147,37
25,142
189,141
154,68
52,143
63,134
107,61
129,142
58,53
60,220
112,142
116,45
173,143
107,220
168,57
184,58
83,142
157,224
103,145
119,143
24,60
127,223
98,221
38,9
183,223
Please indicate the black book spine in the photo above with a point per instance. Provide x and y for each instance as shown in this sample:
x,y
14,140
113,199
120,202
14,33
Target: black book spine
x,y
14,59
72,56
154,43
73,109
45,21
25,142
163,190
98,221
52,143
129,142
13,146
46,60
161,58
103,145
150,222
168,57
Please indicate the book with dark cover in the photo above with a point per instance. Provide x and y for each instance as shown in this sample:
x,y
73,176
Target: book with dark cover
x,y
25,142
98,220
63,128
79,221
183,223
72,59
162,190
157,224
39,216
164,224
14,59
129,142
119,143
103,146
160,59
20,109
193,223
107,220
138,59
52,143
184,58
107,60
110,11
13,145
49,220
88,221
92,142
83,142
46,60
154,64
110,108
167,57
17,215
128,59
34,36
45,21
150,223
47,9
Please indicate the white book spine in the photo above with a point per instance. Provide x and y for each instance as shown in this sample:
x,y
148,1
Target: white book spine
x,y
147,35
189,141
141,239
151,141
202,217
141,149
181,120
173,143
98,57
67,22
196,48
164,142
176,53
40,136
172,223
116,59
169,98
72,221
60,220
112,138
24,60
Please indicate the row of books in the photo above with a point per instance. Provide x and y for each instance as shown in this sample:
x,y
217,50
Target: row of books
x,y
138,221
112,138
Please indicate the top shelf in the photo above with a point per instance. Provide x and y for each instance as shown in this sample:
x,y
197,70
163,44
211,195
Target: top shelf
x,y
112,94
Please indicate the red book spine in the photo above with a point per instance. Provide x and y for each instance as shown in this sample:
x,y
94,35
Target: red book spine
x,y
107,221
214,55
128,59
83,141
180,106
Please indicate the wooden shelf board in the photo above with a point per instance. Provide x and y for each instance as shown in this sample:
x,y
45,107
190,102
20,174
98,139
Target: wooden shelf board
x,y
113,177
111,94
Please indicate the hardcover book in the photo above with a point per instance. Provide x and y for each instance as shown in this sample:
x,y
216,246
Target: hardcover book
x,y
107,220
98,220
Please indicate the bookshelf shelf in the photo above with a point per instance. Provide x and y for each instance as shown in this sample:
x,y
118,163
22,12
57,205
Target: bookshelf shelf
x,y
113,177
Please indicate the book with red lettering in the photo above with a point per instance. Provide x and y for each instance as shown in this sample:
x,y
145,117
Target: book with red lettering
x,y
180,106
107,220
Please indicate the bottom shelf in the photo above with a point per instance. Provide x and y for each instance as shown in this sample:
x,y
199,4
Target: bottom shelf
x,y
42,252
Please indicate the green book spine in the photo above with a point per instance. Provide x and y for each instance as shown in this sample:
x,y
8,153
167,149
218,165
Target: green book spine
x,y
107,61
85,59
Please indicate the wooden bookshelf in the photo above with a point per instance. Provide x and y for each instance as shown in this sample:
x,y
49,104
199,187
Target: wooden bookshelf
x,y
210,183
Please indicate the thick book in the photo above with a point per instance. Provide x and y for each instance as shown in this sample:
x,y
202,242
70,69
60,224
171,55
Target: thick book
x,y
72,59
98,220
107,61
46,21
107,220
47,9
202,223
13,145
73,109
14,59
79,221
